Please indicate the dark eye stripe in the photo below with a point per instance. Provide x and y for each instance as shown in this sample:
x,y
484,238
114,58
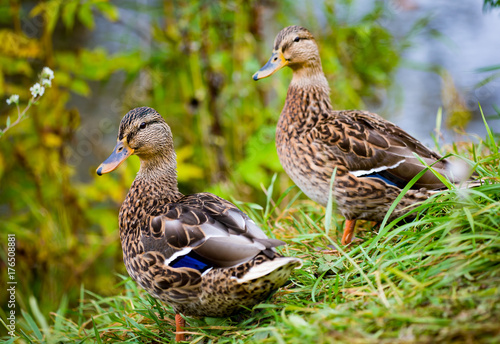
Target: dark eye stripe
x,y
145,124
287,45
135,130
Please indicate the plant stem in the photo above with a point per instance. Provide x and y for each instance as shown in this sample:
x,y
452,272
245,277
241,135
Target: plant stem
x,y
20,115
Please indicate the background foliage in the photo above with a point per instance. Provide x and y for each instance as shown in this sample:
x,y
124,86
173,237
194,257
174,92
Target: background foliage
x,y
191,61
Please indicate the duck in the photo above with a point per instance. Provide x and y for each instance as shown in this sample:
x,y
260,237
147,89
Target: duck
x,y
370,159
198,253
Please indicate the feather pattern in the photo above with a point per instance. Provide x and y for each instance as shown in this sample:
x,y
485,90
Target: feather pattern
x,y
195,251
374,158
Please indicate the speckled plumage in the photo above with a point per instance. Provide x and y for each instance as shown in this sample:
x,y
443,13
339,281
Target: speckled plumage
x,y
159,227
374,158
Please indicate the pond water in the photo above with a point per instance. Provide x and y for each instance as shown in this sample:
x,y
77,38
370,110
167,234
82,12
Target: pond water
x,y
458,39
469,39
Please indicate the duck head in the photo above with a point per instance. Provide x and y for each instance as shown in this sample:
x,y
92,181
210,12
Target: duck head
x,y
143,132
295,47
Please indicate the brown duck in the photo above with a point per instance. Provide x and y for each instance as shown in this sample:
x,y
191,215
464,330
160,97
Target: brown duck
x,y
199,253
374,158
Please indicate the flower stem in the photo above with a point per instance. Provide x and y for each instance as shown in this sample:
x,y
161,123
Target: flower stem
x,y
20,115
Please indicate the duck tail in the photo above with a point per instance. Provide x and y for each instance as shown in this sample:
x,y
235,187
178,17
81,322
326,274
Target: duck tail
x,y
283,265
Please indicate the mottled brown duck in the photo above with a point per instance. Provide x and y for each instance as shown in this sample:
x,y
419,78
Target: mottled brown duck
x,y
198,253
374,158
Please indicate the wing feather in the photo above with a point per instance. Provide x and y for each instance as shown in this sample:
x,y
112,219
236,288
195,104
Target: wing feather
x,y
213,228
366,143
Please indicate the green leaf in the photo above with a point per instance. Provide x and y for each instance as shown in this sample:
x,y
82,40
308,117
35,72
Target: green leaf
x,y
32,324
254,206
51,15
38,314
38,9
329,206
488,69
8,121
63,307
96,331
86,16
488,130
269,195
69,13
80,87
108,10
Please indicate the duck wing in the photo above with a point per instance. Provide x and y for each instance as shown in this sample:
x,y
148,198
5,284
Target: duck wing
x,y
369,146
202,231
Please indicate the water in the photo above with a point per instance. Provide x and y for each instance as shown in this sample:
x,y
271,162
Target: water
x,y
470,39
459,38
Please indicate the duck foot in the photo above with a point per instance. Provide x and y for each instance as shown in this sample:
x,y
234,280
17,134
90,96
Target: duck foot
x,y
180,323
348,232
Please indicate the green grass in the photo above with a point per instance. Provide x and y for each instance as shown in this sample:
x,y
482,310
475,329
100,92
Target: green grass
x,y
435,279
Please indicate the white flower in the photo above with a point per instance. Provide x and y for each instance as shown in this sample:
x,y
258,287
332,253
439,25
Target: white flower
x,y
47,73
46,82
14,99
37,90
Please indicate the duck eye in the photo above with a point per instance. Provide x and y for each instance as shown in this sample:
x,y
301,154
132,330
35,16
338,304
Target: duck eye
x,y
296,39
143,125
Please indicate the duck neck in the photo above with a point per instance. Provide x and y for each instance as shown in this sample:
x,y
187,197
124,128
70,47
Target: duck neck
x,y
310,92
155,185
310,74
158,178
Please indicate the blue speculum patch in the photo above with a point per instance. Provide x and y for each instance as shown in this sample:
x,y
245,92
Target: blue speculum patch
x,y
191,260
389,179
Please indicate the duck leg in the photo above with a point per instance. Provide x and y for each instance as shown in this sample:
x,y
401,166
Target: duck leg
x,y
179,327
348,231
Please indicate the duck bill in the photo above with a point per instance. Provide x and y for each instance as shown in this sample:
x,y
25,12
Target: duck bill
x,y
275,63
121,152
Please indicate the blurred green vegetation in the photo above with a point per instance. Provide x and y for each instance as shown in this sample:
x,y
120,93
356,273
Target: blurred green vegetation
x,y
193,64
490,4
